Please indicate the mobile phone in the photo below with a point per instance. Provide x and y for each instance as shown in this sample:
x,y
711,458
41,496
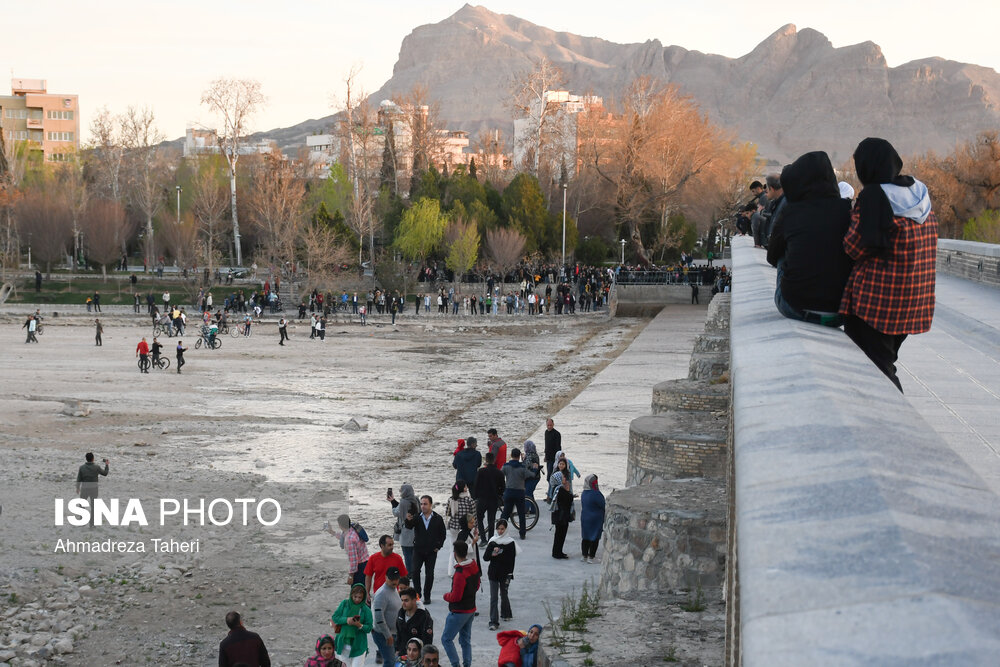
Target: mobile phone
x,y
389,491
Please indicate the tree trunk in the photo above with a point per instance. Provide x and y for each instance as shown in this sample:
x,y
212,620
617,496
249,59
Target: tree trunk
x,y
104,272
149,241
236,223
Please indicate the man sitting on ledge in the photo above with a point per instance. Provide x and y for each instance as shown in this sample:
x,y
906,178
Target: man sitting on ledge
x,y
807,242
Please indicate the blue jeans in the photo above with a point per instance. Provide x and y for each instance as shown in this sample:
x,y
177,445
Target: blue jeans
x,y
461,625
408,560
514,498
793,313
385,649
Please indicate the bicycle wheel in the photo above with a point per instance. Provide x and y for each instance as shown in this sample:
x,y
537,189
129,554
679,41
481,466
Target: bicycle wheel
x,y
164,363
197,344
157,330
216,344
235,332
530,513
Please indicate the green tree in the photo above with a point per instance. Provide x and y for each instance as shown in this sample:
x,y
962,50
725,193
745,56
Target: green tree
x,y
472,167
421,229
592,250
464,188
426,184
334,191
463,247
984,228
336,224
524,209
553,240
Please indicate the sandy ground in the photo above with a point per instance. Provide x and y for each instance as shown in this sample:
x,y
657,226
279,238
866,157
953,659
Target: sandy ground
x,y
254,420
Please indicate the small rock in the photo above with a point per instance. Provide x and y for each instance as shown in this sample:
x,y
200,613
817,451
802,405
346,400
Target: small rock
x,y
355,424
64,645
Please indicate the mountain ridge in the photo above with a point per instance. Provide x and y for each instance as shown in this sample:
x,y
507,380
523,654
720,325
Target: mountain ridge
x,y
791,93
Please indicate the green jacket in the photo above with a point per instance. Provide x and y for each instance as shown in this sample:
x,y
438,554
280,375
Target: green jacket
x,y
356,637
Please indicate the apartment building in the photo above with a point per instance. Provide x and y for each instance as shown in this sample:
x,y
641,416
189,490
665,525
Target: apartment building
x,y
201,140
48,122
561,129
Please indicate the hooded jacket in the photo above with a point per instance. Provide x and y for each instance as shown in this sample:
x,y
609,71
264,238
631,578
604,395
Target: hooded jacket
x,y
461,598
808,236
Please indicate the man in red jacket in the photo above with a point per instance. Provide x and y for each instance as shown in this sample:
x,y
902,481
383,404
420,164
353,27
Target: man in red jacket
x,y
496,445
461,601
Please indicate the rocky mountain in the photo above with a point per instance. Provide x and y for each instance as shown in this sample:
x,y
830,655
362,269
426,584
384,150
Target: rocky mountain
x,y
793,93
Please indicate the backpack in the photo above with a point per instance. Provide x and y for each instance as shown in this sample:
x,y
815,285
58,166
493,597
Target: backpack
x,y
362,533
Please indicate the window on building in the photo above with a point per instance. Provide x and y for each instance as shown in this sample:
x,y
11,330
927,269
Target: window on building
x,y
60,136
60,115
17,113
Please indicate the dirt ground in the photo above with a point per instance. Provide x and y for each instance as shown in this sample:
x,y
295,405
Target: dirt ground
x,y
251,420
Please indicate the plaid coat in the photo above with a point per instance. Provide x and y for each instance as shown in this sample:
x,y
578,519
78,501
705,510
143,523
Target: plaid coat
x,y
894,292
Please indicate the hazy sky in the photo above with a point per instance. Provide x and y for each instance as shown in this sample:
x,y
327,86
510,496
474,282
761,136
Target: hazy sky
x,y
163,54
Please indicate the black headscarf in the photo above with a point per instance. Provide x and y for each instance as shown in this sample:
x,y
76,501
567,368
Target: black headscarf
x,y
811,176
877,162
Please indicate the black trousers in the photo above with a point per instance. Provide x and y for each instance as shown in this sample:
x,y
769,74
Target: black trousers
x,y
881,348
559,541
482,510
425,560
589,547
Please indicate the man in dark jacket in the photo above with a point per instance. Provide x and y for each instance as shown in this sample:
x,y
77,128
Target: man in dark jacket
x,y
242,646
466,463
515,475
807,242
553,445
774,209
412,622
489,487
461,601
429,535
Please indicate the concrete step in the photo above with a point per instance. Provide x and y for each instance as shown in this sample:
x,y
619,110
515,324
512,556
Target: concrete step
x,y
678,444
698,395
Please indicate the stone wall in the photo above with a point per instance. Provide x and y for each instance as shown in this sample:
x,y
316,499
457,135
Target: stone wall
x,y
676,444
978,262
666,535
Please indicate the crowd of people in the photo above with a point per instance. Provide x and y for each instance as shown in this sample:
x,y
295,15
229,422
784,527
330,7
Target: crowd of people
x,y
386,607
864,263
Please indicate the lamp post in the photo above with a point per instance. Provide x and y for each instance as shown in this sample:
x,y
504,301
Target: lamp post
x,y
564,227
623,252
179,189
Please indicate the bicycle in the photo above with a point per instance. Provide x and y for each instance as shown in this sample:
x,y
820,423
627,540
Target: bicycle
x,y
239,330
143,364
161,363
212,343
530,514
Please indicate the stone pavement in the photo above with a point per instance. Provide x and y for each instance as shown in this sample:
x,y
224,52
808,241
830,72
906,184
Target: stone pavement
x,y
951,374
595,431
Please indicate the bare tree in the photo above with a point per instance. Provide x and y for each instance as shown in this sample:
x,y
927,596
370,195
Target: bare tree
x,y
504,246
277,205
324,253
44,217
363,159
146,172
106,156
234,101
106,228
654,154
209,200
491,159
529,100
11,158
421,140
180,240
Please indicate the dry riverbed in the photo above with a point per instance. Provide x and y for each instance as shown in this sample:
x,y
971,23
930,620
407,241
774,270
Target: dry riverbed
x,y
249,421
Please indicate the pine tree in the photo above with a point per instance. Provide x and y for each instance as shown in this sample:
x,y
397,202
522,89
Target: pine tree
x,y
472,167
388,171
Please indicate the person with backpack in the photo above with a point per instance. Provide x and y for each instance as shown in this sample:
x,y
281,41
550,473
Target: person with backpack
x,y
353,540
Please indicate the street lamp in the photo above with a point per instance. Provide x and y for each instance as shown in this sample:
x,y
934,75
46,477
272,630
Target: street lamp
x,y
623,252
564,227
179,189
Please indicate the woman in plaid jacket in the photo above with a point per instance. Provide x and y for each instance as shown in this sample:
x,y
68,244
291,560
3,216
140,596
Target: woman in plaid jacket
x,y
893,242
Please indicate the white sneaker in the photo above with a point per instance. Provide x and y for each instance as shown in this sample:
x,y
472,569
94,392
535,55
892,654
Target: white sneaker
x,y
583,559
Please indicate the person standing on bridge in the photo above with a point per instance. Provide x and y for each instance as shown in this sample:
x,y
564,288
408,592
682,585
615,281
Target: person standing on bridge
x,y
893,242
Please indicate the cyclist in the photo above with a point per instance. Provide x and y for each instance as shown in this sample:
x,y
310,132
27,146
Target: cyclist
x,y
142,351
213,331
155,349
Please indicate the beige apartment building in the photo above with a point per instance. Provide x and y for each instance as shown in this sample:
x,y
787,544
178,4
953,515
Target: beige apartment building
x,y
50,123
